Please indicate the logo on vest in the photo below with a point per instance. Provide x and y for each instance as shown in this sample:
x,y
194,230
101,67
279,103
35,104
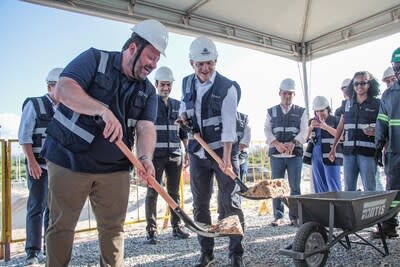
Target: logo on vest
x,y
215,96
373,209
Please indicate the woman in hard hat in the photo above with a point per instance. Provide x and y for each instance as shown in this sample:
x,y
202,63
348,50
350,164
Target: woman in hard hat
x,y
358,124
321,133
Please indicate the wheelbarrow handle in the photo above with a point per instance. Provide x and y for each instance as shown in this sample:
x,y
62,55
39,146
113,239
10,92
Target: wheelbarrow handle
x,y
189,223
229,172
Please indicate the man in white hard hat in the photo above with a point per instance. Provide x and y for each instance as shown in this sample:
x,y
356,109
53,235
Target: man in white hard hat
x,y
209,104
36,115
286,131
389,77
104,97
345,84
167,155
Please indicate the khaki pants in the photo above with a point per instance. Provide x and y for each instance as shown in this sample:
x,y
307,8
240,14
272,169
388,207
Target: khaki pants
x,y
68,191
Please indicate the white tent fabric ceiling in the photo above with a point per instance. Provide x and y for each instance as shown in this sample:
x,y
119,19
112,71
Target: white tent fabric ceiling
x,y
296,29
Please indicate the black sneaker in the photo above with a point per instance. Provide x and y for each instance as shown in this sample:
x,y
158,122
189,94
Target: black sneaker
x,y
205,260
31,259
151,238
180,233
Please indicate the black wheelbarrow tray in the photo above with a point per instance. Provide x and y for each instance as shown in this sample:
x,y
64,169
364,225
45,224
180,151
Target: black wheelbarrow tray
x,y
346,212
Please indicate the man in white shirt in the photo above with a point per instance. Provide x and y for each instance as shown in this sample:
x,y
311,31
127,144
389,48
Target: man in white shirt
x,y
286,131
209,103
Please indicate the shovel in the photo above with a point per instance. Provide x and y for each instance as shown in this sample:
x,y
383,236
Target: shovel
x,y
229,172
189,223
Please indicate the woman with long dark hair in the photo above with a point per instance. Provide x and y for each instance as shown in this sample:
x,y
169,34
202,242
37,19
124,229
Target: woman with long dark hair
x,y
358,124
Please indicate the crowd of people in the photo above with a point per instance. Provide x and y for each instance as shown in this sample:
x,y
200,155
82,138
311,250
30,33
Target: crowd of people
x,y
100,97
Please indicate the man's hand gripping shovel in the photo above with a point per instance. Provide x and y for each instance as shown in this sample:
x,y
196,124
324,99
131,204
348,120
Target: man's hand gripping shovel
x,y
189,223
244,190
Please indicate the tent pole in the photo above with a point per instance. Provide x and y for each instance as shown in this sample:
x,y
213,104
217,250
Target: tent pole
x,y
305,84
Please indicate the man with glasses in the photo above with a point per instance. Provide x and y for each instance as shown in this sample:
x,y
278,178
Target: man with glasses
x,y
389,78
286,129
36,115
387,133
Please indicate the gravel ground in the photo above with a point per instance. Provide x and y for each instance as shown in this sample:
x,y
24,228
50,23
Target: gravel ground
x,y
261,242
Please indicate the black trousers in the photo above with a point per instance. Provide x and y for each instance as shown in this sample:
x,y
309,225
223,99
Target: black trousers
x,y
202,173
172,168
392,171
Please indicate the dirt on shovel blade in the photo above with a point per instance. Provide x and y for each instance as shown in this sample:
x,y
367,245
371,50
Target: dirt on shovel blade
x,y
275,188
227,226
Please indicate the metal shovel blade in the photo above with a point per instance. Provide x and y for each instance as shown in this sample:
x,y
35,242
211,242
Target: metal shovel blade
x,y
189,223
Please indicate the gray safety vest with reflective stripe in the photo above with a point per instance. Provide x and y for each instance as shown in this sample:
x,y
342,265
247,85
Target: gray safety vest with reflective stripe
x,y
44,113
285,127
326,144
168,142
356,118
211,120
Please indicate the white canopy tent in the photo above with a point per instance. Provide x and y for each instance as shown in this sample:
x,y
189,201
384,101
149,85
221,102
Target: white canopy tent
x,y
301,30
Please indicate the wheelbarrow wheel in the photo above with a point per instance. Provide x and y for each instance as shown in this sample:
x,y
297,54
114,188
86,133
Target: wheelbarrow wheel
x,y
310,236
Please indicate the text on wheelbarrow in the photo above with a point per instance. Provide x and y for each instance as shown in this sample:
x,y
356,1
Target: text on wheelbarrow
x,y
373,208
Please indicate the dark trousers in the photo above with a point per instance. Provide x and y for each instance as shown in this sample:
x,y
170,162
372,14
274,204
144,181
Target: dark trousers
x,y
202,172
172,168
293,167
37,213
392,171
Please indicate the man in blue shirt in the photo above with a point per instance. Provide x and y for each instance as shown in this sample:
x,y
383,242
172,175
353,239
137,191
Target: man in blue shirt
x,y
36,115
104,97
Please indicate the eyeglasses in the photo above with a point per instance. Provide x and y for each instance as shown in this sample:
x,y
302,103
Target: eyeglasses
x,y
364,83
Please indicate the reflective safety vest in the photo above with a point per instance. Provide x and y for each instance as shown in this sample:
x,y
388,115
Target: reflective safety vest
x,y
326,144
241,123
285,127
168,139
388,122
210,126
44,112
356,118
76,132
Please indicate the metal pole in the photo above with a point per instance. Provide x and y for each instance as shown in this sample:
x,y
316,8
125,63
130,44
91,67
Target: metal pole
x,y
305,82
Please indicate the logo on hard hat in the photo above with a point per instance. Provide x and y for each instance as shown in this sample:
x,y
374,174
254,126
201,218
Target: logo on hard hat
x,y
205,52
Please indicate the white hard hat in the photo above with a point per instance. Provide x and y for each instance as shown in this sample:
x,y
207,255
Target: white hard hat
x,y
287,85
346,82
388,73
320,102
153,32
164,74
203,49
53,75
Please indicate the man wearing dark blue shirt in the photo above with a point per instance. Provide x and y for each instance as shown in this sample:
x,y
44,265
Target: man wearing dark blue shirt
x,y
104,97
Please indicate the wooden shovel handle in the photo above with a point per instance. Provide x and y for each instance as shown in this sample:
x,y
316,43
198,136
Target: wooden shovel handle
x,y
150,179
214,155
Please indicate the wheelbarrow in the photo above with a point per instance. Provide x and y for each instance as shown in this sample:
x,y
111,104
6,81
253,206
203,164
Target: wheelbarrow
x,y
347,212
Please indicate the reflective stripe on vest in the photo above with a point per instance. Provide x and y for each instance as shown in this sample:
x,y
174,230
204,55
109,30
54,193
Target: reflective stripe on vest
x,y
171,127
103,62
349,126
287,129
132,123
41,106
70,125
216,145
165,145
212,121
359,143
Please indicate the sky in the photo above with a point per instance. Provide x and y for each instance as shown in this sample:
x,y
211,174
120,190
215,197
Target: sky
x,y
36,39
